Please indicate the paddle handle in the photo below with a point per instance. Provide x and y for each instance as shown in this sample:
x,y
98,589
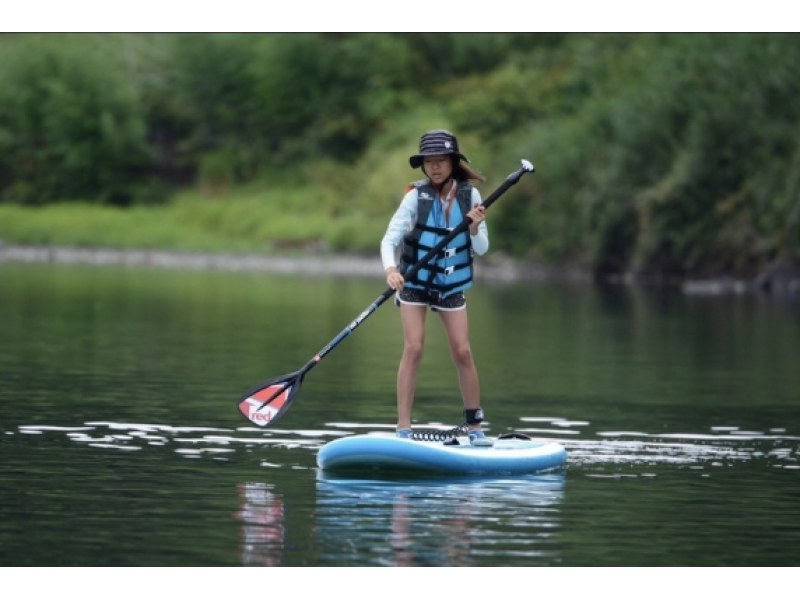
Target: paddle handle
x,y
511,180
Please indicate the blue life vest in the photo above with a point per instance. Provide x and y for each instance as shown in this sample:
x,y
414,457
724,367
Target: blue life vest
x,y
451,270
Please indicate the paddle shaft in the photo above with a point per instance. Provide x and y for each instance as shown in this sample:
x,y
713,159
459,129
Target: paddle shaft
x,y
298,376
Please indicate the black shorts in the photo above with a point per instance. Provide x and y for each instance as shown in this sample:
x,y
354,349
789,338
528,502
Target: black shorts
x,y
409,296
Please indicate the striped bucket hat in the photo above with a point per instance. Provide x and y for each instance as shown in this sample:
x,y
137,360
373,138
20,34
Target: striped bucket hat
x,y
436,143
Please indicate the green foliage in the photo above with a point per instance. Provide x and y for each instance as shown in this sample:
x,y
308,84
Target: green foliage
x,y
671,162
282,97
657,154
71,125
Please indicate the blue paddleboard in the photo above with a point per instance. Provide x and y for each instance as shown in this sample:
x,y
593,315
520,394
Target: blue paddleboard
x,y
389,454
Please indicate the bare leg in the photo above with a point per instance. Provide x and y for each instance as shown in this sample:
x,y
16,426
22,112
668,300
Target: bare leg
x,y
413,318
456,325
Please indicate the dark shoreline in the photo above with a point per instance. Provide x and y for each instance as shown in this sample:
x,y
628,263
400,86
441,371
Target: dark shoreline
x,y
780,280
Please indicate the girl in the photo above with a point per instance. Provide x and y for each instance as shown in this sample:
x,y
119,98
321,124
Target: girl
x,y
430,209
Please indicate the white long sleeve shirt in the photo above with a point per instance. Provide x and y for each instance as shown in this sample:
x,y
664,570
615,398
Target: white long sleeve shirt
x,y
405,218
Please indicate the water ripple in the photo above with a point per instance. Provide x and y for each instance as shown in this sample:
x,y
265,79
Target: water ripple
x,y
721,446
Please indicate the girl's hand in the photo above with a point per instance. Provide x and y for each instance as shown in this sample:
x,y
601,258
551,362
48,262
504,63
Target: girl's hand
x,y
394,279
477,215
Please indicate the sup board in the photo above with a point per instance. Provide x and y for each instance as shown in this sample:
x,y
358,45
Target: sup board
x,y
389,454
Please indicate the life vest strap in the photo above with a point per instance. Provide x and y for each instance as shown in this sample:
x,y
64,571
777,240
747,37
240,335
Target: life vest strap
x,y
446,270
411,246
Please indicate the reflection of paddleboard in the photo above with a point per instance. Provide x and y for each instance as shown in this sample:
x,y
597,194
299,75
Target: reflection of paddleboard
x,y
388,454
439,520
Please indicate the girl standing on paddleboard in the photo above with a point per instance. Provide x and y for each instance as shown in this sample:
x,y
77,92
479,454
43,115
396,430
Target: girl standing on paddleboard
x,y
430,209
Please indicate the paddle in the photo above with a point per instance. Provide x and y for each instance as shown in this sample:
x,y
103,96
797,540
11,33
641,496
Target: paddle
x,y
265,403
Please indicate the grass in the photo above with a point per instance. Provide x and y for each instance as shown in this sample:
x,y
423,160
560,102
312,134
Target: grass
x,y
242,221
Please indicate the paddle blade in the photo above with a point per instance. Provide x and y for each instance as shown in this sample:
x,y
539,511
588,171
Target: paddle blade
x,y
264,404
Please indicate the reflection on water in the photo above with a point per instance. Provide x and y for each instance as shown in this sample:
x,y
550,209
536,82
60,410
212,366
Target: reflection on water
x,y
412,522
263,527
439,523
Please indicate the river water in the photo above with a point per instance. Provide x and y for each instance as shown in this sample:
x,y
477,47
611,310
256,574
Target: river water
x,y
122,446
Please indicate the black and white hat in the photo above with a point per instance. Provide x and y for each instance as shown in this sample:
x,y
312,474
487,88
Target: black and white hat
x,y
436,143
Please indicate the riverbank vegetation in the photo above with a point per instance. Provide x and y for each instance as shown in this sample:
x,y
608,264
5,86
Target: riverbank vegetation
x,y
657,155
